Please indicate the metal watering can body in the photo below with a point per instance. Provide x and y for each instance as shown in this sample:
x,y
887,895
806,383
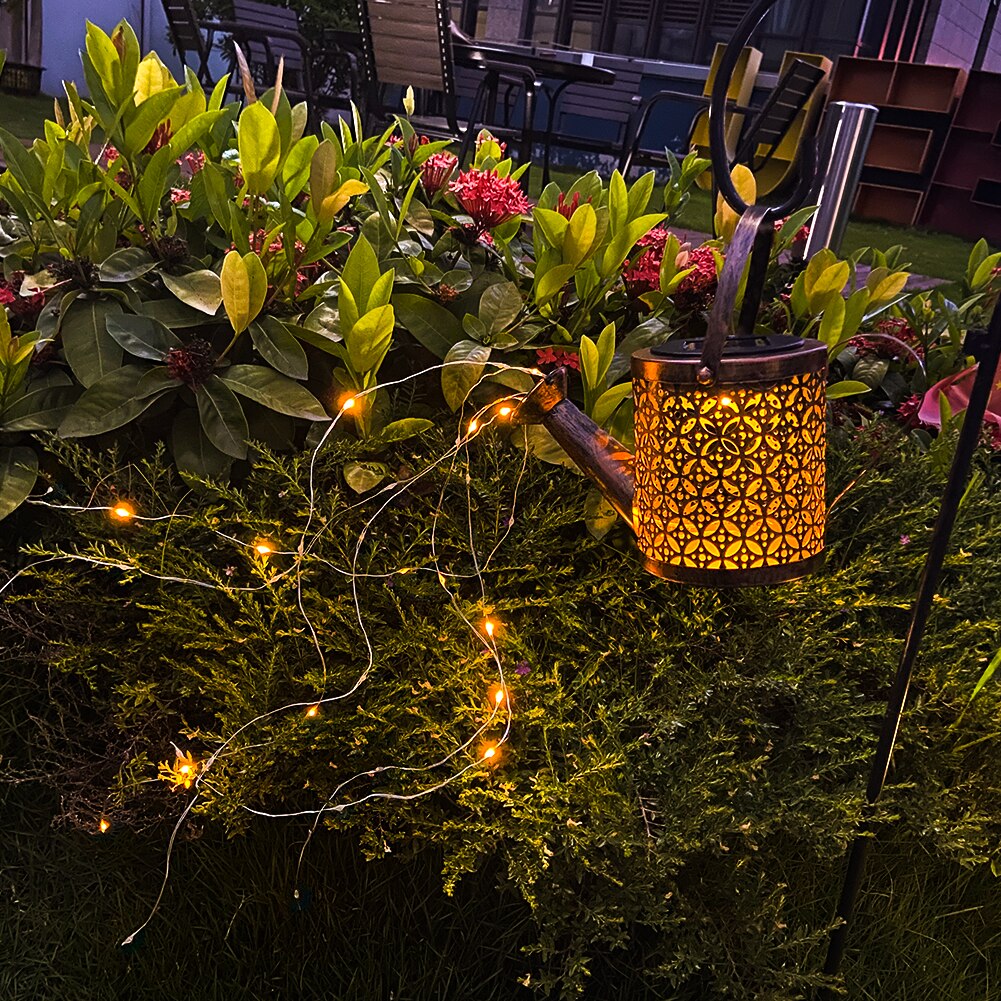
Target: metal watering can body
x,y
727,483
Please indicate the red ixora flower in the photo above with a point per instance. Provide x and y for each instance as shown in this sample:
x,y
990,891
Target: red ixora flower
x,y
191,364
567,208
802,234
697,289
489,198
896,336
558,357
642,273
180,196
26,307
437,171
191,162
161,136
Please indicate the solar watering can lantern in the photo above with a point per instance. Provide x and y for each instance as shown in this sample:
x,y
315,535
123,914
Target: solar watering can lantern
x,y
726,486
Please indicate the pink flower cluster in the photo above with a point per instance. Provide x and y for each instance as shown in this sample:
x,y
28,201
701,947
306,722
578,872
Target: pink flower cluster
x,y
488,198
437,171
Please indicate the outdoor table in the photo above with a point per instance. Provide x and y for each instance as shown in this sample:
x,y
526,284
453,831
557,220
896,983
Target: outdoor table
x,y
565,67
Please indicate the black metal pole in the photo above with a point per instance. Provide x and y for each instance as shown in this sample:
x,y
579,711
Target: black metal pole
x,y
985,346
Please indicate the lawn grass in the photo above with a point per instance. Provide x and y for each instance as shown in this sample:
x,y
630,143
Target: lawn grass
x,y
24,116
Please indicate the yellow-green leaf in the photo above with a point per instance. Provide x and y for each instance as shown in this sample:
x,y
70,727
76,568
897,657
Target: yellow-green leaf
x,y
747,188
333,203
579,235
259,146
152,77
242,294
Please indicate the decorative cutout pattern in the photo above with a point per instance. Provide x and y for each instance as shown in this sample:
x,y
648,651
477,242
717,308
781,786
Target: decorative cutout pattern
x,y
731,478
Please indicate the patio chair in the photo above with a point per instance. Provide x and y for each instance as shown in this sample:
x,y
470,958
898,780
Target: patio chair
x,y
409,43
758,134
266,34
192,43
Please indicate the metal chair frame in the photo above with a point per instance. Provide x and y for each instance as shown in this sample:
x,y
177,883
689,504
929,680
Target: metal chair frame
x,y
495,75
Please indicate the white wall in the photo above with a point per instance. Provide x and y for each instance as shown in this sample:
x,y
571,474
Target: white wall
x,y
63,31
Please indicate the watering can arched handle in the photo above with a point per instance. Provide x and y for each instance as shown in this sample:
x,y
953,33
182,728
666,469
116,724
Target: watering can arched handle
x,y
752,239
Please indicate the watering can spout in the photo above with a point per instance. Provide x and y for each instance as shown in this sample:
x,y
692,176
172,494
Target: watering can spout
x,y
607,462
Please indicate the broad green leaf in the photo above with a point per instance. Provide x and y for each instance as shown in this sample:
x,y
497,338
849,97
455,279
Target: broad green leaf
x,y
108,404
543,446
889,288
609,402
202,290
298,166
361,272
279,348
833,321
428,322
400,430
589,361
551,282
126,264
244,286
829,284
464,366
369,339
222,417
142,336
500,305
43,404
92,353
274,391
552,225
871,370
364,476
579,237
152,77
18,472
260,147
848,387
194,453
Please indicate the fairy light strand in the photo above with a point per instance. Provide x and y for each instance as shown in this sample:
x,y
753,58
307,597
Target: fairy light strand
x,y
126,512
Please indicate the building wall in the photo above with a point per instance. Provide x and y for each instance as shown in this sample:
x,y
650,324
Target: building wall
x,y
957,32
64,30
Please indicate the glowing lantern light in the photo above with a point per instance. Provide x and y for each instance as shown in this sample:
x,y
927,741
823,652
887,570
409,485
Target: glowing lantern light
x,y
730,476
104,825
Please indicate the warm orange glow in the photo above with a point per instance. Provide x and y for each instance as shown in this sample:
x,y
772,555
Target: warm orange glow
x,y
104,825
263,548
504,411
497,694
180,772
491,753
313,711
488,625
123,511
731,482
348,403
473,425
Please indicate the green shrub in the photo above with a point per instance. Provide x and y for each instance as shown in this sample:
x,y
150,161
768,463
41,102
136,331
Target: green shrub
x,y
684,766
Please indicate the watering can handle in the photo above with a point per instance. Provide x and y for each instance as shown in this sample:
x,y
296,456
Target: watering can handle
x,y
752,239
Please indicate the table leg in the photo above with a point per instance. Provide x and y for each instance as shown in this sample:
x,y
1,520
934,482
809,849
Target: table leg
x,y
554,97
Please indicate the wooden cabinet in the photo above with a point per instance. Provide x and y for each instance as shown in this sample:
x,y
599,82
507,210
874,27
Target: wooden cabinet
x,y
916,103
965,194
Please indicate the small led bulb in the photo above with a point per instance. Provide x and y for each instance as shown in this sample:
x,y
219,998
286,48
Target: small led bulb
x,y
504,411
497,695
489,627
490,753
473,425
104,825
348,403
313,711
263,548
123,511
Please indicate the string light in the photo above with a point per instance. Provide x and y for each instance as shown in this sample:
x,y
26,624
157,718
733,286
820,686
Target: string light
x,y
489,626
188,773
122,511
497,694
